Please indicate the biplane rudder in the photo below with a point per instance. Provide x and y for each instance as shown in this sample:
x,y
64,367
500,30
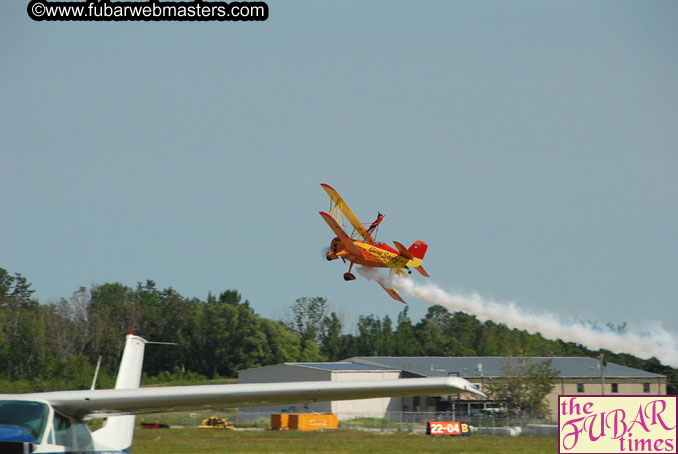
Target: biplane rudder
x,y
418,249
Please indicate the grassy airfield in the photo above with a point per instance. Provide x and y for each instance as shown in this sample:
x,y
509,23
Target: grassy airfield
x,y
213,441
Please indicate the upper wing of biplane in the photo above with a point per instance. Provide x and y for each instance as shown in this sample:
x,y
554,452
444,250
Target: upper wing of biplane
x,y
339,207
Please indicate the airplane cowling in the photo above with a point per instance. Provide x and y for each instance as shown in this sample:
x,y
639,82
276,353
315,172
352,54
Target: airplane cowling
x,y
15,439
9,433
335,246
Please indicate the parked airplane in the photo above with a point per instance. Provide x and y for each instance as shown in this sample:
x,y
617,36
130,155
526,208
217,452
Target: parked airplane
x,y
53,422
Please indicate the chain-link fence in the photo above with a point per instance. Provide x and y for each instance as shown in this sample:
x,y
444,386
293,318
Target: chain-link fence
x,y
393,421
401,420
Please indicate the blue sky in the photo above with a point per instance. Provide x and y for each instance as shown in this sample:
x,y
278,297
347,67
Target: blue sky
x,y
532,145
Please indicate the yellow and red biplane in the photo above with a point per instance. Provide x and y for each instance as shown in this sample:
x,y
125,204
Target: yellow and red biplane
x,y
362,248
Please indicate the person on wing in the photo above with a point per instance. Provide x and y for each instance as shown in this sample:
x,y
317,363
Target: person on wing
x,y
376,223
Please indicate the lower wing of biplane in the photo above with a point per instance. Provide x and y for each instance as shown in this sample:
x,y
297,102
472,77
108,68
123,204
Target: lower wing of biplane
x,y
361,247
393,293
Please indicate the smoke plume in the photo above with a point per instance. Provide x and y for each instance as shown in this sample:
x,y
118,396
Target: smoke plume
x,y
651,341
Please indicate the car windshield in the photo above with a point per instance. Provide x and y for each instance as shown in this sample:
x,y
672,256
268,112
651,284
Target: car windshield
x,y
30,416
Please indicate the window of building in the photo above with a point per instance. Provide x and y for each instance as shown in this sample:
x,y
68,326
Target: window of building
x,y
615,388
646,387
580,387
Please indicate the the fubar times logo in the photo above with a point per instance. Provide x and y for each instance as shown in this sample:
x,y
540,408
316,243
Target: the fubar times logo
x,y
617,424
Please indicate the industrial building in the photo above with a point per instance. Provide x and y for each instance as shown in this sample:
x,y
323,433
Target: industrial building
x,y
337,371
576,375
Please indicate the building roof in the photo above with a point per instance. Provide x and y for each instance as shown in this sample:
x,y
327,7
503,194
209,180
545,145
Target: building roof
x,y
492,366
345,366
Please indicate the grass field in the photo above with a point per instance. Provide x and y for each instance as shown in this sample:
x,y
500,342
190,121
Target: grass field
x,y
212,441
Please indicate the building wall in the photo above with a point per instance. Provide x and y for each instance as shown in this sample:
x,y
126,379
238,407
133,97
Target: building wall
x,y
593,386
281,373
378,407
374,408
418,404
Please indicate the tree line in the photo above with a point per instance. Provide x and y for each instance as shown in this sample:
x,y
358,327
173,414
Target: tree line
x,y
57,345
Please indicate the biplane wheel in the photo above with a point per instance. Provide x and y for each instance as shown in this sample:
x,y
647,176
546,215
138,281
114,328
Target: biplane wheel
x,y
349,277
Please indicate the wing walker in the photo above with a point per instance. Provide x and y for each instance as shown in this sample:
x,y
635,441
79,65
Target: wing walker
x,y
361,247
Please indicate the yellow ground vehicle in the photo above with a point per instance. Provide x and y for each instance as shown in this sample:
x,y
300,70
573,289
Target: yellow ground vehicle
x,y
213,422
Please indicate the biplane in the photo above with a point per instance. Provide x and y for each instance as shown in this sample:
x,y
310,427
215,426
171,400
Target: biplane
x,y
362,248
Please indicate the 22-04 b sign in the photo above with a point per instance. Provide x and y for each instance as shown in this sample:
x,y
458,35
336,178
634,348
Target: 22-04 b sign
x,y
447,428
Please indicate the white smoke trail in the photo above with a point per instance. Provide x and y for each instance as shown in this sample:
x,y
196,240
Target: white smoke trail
x,y
652,341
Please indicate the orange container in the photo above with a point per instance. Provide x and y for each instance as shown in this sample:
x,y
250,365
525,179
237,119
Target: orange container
x,y
280,421
313,421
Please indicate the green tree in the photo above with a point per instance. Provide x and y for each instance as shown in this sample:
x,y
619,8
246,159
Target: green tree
x,y
434,333
22,334
498,340
168,317
527,384
282,344
405,342
308,318
233,339
465,329
375,337
113,312
331,345
6,282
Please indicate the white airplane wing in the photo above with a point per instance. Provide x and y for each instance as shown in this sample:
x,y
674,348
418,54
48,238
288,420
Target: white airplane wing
x,y
106,402
26,418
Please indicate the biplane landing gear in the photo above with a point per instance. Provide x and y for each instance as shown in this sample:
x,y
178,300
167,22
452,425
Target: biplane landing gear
x,y
349,276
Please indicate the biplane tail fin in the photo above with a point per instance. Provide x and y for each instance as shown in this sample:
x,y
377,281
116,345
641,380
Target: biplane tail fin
x,y
418,249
